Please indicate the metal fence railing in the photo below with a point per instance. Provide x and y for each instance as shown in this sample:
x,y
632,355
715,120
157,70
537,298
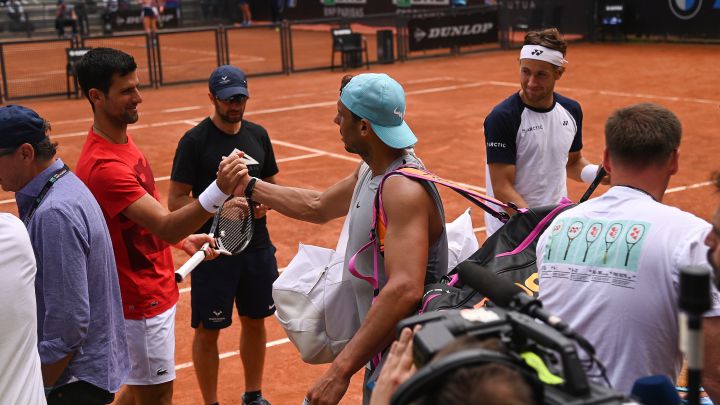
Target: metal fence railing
x,y
187,56
35,68
39,68
260,49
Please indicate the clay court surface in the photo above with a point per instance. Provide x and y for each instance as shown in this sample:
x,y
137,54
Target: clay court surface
x,y
447,101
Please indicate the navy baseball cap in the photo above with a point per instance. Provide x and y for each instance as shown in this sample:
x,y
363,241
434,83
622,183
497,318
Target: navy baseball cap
x,y
227,81
381,100
19,125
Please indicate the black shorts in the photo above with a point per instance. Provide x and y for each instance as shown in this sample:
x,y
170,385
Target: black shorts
x,y
245,279
149,12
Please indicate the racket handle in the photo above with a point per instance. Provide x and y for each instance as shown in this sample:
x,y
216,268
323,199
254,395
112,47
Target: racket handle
x,y
596,182
190,265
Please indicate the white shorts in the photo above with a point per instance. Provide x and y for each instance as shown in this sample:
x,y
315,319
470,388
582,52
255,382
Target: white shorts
x,y
151,344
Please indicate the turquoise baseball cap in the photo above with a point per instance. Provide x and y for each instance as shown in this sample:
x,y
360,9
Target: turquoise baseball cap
x,y
379,99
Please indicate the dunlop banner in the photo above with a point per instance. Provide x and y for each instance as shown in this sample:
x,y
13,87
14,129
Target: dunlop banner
x,y
450,31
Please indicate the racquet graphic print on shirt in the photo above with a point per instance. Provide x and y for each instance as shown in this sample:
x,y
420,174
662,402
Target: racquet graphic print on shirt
x,y
232,229
591,236
632,238
555,231
572,233
610,238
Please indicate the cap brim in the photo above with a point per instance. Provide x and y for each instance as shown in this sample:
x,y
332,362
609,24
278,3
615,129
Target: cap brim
x,y
397,137
232,91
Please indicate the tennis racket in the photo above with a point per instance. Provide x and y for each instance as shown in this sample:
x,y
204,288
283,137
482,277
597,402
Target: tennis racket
x,y
596,182
232,229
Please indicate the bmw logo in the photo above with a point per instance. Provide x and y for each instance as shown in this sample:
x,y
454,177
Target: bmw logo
x,y
685,9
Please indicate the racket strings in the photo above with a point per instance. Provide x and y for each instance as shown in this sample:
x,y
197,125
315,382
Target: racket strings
x,y
235,225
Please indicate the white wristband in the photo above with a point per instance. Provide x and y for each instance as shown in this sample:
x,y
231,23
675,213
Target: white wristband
x,y
588,173
212,198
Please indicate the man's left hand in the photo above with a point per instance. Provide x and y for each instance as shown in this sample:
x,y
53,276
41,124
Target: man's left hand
x,y
193,243
328,389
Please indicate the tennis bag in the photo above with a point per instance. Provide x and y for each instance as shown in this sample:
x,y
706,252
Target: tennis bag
x,y
509,253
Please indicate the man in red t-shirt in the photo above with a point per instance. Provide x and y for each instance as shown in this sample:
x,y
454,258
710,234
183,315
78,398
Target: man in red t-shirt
x,y
141,229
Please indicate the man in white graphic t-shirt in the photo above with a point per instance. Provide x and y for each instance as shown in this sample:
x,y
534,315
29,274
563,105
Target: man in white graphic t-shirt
x,y
713,238
610,266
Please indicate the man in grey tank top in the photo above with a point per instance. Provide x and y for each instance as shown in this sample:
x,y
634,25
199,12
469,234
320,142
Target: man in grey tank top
x,y
371,113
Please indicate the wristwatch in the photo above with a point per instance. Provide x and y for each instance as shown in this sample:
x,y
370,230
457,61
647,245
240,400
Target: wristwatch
x,y
249,188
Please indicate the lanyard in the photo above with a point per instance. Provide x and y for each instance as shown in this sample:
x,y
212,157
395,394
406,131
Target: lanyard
x,y
55,177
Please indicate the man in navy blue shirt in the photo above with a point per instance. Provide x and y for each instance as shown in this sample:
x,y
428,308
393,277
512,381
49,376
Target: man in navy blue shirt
x,y
534,137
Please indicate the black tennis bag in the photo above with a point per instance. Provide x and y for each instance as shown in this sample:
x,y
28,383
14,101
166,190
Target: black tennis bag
x,y
509,253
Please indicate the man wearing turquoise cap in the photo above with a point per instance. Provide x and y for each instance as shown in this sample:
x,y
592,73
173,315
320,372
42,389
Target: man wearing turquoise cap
x,y
371,117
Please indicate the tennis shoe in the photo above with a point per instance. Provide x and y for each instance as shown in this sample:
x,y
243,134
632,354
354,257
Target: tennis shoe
x,y
259,401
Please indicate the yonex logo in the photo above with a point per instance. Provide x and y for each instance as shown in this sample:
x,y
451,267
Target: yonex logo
x,y
537,52
565,123
685,9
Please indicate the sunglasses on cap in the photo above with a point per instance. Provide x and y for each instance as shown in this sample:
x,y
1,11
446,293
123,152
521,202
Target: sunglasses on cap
x,y
238,98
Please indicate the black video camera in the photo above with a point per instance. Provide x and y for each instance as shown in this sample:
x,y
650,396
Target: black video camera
x,y
561,379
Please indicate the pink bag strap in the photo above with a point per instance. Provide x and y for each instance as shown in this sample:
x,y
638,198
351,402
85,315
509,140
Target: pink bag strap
x,y
564,203
481,200
379,221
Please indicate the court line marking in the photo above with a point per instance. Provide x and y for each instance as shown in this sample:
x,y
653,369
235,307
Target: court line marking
x,y
411,92
618,93
225,355
179,109
688,187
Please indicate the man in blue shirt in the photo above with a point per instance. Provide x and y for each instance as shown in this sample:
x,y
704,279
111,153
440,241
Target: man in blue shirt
x,y
81,331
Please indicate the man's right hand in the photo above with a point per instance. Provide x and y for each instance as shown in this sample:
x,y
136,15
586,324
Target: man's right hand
x,y
239,190
230,171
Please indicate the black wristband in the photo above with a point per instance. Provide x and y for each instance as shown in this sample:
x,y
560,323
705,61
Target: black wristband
x,y
250,186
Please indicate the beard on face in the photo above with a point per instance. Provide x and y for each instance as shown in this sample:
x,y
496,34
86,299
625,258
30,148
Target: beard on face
x,y
131,118
230,120
226,117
